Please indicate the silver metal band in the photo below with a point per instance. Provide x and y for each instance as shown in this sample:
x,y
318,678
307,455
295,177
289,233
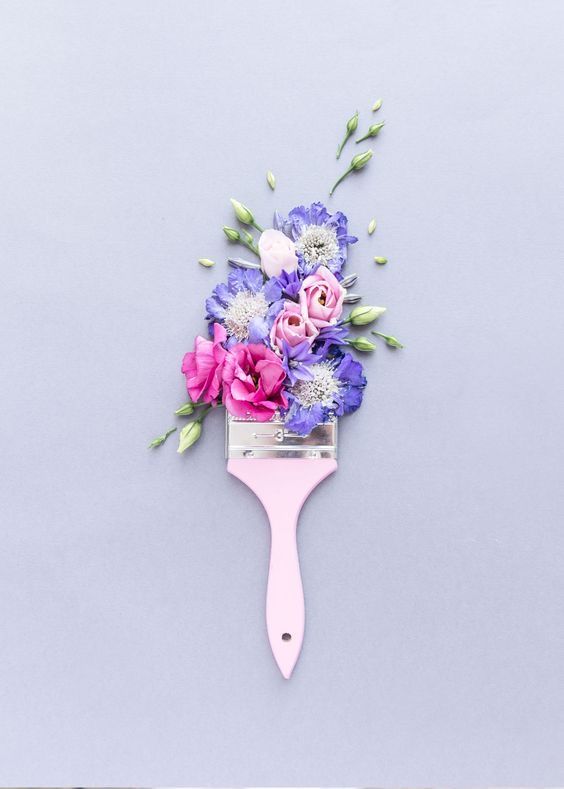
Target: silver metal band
x,y
249,439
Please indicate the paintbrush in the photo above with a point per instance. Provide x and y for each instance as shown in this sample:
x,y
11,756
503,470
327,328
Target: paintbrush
x,y
282,468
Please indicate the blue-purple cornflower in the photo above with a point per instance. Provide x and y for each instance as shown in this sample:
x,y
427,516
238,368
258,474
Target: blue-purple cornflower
x,y
321,238
297,361
246,306
335,388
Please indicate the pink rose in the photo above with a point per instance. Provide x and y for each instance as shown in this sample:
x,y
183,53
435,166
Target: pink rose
x,y
277,253
321,297
203,366
292,326
252,382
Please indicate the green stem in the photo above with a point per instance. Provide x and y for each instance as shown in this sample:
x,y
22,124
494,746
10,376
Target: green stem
x,y
342,178
251,246
342,145
203,414
258,227
366,137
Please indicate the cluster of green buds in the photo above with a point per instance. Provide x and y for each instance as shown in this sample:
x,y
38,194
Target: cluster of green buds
x,y
363,316
241,236
357,163
352,126
191,432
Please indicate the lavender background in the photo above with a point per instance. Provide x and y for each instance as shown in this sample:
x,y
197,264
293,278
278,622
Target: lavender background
x,y
132,640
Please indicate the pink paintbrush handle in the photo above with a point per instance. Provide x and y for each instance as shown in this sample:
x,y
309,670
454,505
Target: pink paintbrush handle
x,y
282,485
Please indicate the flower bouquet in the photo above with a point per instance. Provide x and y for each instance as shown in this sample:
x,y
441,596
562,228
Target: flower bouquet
x,y
277,351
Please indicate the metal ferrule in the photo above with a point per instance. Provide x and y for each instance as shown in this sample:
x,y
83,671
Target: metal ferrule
x,y
248,439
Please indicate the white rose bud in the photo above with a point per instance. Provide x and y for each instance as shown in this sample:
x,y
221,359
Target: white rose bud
x,y
277,253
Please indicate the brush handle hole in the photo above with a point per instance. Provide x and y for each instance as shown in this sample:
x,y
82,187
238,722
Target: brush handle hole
x,y
286,637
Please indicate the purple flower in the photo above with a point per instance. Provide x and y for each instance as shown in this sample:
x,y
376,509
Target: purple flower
x,y
297,361
246,306
334,389
289,284
330,336
321,238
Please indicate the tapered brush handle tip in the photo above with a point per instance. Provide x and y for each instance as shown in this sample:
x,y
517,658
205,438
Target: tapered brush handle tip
x,y
282,485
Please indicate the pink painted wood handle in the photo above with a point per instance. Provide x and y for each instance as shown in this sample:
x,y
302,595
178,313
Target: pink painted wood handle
x,y
282,485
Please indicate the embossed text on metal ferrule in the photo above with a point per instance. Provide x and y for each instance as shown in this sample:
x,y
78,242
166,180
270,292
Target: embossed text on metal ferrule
x,y
249,439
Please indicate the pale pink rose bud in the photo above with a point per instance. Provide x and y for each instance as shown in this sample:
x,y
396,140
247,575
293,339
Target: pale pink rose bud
x,y
277,253
290,325
321,297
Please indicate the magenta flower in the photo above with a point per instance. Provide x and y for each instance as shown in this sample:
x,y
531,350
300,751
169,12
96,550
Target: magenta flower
x,y
203,367
253,379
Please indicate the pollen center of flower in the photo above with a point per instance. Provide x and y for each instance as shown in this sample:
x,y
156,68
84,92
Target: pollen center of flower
x,y
244,307
320,389
318,244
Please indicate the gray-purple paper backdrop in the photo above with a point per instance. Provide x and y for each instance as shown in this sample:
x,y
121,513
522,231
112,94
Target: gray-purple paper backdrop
x,y
133,647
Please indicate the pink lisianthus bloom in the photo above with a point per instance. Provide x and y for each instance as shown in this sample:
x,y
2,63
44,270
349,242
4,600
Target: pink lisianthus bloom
x,y
291,326
277,253
321,298
253,379
203,367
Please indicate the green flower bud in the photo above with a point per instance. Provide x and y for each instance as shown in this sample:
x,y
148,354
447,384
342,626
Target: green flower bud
x,y
352,123
352,126
361,344
206,262
185,410
247,237
156,442
371,226
373,131
189,435
244,214
361,159
231,233
357,163
271,180
393,342
381,261
362,316
376,106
